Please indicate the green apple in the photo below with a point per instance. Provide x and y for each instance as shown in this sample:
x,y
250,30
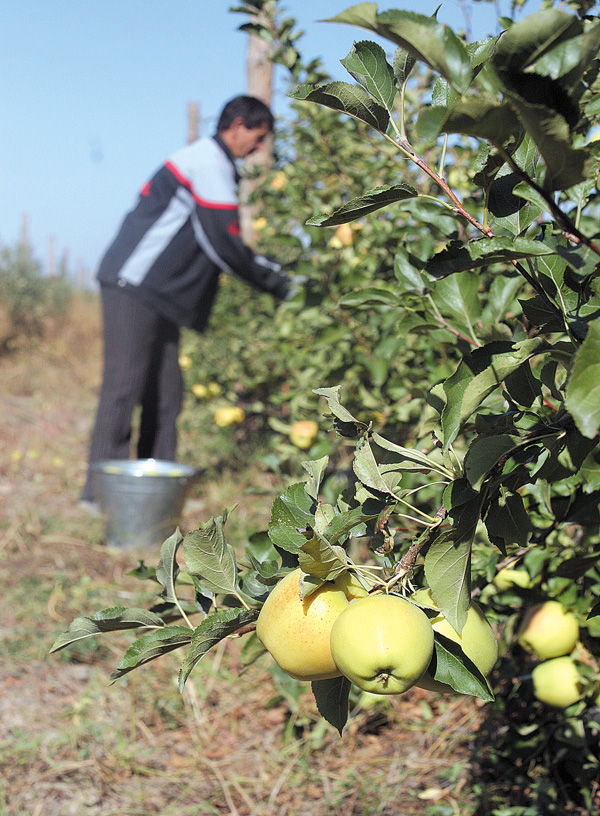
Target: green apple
x,y
296,631
507,578
382,643
557,682
548,630
477,639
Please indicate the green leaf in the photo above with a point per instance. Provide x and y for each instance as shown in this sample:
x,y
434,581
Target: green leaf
x,y
478,117
151,646
210,632
407,271
316,470
540,313
508,523
108,620
366,469
448,574
530,39
350,99
583,387
168,569
344,523
420,460
322,560
363,205
477,375
332,700
208,555
565,165
431,42
402,66
368,65
522,386
457,296
345,423
483,455
369,296
291,513
504,248
450,665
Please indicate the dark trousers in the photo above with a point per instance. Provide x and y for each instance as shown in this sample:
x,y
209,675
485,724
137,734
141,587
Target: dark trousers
x,y
141,367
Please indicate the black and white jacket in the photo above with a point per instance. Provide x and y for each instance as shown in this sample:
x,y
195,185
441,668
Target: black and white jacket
x,y
182,232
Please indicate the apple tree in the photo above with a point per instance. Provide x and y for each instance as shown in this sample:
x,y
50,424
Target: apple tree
x,y
488,292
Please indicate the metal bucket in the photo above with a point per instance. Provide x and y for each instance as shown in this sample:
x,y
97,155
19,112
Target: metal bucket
x,y
141,499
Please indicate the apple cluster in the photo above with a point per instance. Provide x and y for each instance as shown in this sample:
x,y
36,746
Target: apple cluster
x,y
550,633
383,643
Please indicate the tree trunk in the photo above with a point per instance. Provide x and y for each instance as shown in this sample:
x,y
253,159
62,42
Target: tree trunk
x,y
259,83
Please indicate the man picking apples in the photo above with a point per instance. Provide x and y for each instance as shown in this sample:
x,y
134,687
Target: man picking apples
x,y
162,272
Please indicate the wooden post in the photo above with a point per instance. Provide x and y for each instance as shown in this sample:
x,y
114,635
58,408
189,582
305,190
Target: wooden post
x,y
259,83
193,131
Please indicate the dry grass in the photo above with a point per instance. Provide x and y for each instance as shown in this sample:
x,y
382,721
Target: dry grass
x,y
231,744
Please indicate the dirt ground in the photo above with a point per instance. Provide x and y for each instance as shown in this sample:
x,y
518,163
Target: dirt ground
x,y
70,743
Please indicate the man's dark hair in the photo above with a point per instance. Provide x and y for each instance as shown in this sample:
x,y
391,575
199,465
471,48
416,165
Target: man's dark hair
x,y
252,111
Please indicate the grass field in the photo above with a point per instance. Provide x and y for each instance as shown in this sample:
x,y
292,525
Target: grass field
x,y
233,743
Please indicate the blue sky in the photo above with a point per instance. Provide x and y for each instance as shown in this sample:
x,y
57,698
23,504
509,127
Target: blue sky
x,y
94,98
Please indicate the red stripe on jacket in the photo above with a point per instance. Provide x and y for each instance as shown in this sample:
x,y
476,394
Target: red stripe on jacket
x,y
211,205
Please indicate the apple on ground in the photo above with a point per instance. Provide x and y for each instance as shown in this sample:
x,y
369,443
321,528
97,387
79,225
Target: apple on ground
x,y
548,630
382,643
557,682
477,639
229,415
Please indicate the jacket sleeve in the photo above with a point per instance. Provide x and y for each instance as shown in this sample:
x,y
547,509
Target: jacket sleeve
x,y
217,232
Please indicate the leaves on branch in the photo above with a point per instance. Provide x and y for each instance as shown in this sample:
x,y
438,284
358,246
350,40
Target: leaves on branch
x,y
448,574
364,205
114,619
423,37
209,557
292,512
211,631
350,99
149,647
583,387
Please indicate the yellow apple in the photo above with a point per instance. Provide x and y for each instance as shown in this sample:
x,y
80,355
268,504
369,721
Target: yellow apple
x,y
214,389
258,224
185,361
382,643
508,577
345,234
548,630
477,639
557,682
279,181
303,433
296,631
199,390
229,415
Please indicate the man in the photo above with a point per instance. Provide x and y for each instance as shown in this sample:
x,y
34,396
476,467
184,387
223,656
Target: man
x,y
162,272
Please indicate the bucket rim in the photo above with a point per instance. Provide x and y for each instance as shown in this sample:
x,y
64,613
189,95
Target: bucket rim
x,y
140,467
